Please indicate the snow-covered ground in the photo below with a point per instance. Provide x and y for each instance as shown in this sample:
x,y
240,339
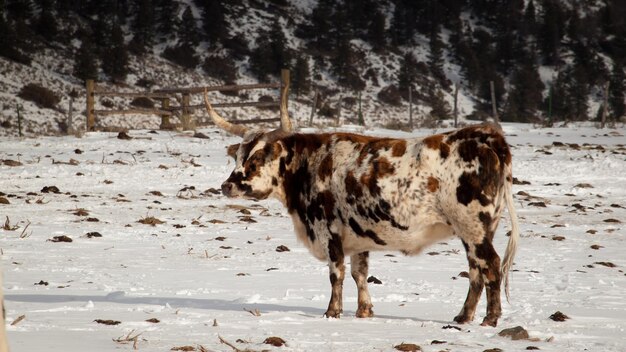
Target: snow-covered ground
x,y
213,260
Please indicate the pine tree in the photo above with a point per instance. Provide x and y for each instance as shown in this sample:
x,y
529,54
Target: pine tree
x,y
188,33
344,65
143,27
435,56
575,94
407,74
322,26
19,9
85,62
9,44
440,109
47,25
271,53
551,30
261,63
524,98
403,23
376,34
613,21
430,15
530,19
166,17
213,17
617,92
301,81
115,57
508,35
184,54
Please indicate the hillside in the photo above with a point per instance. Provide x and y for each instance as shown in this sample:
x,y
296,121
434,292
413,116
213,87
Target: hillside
x,y
549,60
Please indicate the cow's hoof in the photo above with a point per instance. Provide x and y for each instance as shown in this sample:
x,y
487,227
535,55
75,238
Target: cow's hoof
x,y
364,312
332,314
490,321
463,319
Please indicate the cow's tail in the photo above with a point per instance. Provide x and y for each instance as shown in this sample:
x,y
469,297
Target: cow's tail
x,y
511,247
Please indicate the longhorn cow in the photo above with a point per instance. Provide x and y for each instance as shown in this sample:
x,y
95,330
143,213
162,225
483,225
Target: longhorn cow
x,y
350,194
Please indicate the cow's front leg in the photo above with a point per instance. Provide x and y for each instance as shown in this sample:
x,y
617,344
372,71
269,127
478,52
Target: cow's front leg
x,y
337,270
359,267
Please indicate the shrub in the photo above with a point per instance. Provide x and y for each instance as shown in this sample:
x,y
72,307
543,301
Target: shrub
x,y
390,95
142,102
267,99
39,95
107,103
183,55
220,68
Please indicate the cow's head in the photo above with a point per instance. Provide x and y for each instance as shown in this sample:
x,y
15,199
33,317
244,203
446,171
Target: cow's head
x,y
257,156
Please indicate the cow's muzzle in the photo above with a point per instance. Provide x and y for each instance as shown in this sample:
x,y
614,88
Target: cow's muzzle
x,y
227,189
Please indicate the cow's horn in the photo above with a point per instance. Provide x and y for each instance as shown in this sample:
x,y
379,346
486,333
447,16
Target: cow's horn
x,y
221,122
285,122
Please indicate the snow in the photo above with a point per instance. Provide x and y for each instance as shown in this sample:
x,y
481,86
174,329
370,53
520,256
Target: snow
x,y
186,275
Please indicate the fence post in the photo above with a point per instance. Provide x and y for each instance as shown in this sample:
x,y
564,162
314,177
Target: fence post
x,y
19,121
91,118
605,105
360,113
70,113
456,101
165,119
185,117
493,102
410,108
284,96
313,108
339,110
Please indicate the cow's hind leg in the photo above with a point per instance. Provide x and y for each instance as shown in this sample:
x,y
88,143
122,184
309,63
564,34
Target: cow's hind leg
x,y
359,267
337,271
489,263
476,285
484,269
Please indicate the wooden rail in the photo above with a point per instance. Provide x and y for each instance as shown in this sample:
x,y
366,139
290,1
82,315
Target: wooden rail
x,y
133,111
257,120
233,87
183,96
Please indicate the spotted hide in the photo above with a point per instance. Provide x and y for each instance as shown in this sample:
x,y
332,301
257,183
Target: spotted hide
x,y
350,194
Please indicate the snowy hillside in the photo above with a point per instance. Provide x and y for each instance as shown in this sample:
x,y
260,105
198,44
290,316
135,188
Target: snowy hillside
x,y
158,253
548,59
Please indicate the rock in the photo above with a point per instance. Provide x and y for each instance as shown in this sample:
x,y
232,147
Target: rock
x,y
516,333
274,341
50,189
200,135
107,322
407,347
9,162
558,316
61,238
123,135
93,234
373,279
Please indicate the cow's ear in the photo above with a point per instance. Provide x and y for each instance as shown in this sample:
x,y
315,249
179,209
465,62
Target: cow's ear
x,y
231,150
277,148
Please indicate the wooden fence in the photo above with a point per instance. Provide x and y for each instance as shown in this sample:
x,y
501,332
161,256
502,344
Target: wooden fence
x,y
182,96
